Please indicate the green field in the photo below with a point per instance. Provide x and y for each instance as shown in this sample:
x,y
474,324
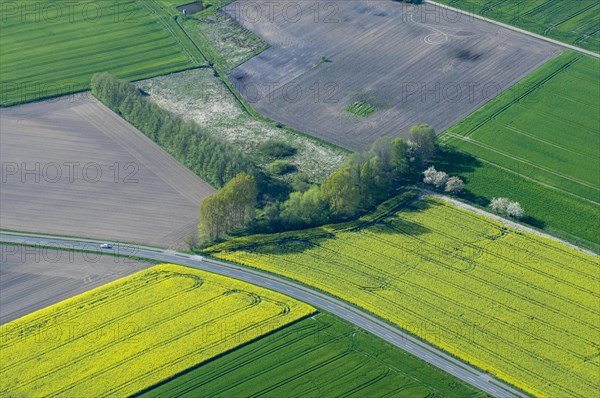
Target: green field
x,y
539,143
322,356
518,305
572,22
52,48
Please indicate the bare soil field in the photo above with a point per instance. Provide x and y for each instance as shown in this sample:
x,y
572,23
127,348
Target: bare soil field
x,y
412,64
32,278
73,167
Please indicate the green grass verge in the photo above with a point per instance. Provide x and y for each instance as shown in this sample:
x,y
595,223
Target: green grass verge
x,y
321,356
538,143
55,48
572,22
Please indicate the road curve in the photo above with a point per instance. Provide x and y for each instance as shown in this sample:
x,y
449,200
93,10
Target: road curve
x,y
389,333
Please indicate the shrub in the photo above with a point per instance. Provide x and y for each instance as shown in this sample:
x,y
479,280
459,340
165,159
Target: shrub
x,y
281,167
506,207
277,149
454,185
433,177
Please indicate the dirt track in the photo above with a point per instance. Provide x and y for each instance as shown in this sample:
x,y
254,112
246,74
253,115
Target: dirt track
x,y
73,167
414,64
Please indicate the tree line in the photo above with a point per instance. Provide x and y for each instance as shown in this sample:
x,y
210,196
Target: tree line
x,y
211,158
361,183
365,180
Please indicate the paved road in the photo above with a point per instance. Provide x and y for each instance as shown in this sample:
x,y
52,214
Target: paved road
x,y
339,308
514,28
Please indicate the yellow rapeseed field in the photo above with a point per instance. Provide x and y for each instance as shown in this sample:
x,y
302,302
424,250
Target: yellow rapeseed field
x,y
521,306
125,336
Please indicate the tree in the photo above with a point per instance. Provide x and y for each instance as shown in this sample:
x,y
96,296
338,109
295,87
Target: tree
x,y
499,205
440,179
454,185
429,175
272,216
212,218
515,210
382,148
240,196
126,107
341,192
233,207
506,207
375,183
400,158
422,141
305,209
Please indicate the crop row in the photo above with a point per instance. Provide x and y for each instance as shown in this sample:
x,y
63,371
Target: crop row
x,y
571,22
169,319
321,356
66,55
500,298
345,259
538,143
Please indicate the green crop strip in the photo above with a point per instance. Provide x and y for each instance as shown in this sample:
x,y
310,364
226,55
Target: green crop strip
x,y
361,108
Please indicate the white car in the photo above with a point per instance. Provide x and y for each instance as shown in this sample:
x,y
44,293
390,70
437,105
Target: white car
x,y
105,246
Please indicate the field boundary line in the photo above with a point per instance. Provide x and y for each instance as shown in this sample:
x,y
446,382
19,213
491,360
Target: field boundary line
x,y
509,223
571,16
537,182
515,29
222,354
156,9
525,161
504,107
533,137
